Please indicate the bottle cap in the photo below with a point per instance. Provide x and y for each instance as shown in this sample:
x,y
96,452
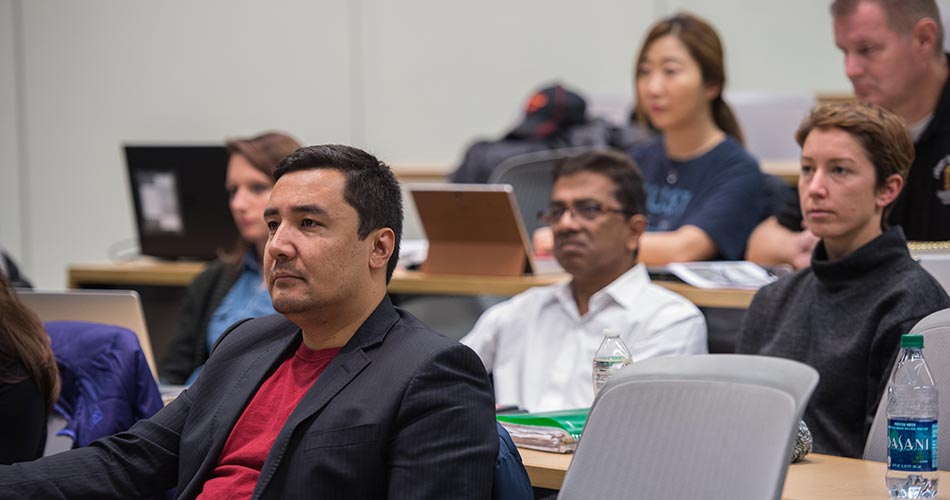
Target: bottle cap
x,y
912,340
610,332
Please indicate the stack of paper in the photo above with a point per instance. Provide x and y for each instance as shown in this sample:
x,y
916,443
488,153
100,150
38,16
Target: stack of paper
x,y
556,431
722,274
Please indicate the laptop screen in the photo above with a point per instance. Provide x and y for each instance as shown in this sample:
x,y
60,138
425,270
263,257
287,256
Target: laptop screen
x,y
181,206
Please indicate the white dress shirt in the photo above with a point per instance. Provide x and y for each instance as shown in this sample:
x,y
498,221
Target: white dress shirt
x,y
541,350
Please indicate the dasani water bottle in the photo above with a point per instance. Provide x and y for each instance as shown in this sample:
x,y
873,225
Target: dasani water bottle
x,y
912,425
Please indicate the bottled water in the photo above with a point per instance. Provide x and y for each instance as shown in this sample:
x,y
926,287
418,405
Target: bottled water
x,y
611,356
912,425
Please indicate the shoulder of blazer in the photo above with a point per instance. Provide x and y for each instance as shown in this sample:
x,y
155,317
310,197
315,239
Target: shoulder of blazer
x,y
272,326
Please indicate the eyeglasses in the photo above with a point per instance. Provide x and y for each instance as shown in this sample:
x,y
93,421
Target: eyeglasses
x,y
585,211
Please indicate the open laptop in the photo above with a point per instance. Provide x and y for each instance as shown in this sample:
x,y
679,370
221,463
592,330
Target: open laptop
x,y
181,205
112,307
472,229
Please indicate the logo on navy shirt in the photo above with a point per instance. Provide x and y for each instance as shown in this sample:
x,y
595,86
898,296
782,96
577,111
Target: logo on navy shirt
x,y
666,204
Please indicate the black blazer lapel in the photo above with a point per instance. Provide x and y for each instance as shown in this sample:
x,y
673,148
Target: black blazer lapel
x,y
239,390
346,366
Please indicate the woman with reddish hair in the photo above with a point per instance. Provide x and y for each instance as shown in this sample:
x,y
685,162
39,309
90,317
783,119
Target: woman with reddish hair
x,y
232,287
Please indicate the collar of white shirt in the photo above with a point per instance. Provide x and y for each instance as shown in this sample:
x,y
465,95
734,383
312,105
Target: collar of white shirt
x,y
623,291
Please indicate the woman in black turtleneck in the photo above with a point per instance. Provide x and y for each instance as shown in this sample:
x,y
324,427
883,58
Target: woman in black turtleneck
x,y
845,314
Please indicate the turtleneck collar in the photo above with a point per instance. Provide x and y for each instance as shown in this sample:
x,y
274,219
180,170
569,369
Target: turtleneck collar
x,y
880,252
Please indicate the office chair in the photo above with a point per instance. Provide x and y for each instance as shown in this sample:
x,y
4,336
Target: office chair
x,y
936,331
718,426
530,176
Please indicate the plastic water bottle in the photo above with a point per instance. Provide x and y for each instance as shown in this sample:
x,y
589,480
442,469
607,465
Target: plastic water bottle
x,y
611,356
912,425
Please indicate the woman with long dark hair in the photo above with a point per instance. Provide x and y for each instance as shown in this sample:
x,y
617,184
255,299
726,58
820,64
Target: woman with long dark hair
x,y
29,379
705,193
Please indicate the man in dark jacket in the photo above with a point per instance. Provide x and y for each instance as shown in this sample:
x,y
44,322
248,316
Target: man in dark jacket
x,y
340,396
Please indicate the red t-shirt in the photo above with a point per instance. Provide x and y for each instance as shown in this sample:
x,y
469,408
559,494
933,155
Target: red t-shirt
x,y
254,433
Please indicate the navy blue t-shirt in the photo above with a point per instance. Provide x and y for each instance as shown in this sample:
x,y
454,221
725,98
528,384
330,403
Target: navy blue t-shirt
x,y
721,192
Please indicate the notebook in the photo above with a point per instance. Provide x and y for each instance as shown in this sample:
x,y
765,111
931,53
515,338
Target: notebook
x,y
554,431
472,229
113,307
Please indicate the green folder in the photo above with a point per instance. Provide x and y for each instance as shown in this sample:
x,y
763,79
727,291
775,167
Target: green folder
x,y
570,421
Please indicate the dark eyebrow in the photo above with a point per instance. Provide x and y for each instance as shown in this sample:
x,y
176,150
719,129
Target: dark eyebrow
x,y
839,159
308,209
579,201
585,201
300,209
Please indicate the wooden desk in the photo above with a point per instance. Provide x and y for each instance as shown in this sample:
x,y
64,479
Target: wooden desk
x,y
414,282
151,273
788,169
818,477
418,172
137,272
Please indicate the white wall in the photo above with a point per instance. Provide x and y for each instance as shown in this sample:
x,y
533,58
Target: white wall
x,y
413,81
439,73
9,147
105,72
781,46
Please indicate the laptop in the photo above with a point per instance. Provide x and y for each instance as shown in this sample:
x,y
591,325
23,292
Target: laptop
x,y
180,202
472,229
112,307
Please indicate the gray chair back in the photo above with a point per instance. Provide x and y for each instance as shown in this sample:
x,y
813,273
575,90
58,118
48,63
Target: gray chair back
x,y
719,426
936,331
529,176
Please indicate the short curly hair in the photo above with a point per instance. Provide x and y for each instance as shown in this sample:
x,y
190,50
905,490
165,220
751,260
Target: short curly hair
x,y
882,134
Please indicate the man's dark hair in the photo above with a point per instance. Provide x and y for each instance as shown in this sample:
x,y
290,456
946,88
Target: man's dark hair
x,y
371,188
619,168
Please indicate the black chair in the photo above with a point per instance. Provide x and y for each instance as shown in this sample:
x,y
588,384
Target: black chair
x,y
530,176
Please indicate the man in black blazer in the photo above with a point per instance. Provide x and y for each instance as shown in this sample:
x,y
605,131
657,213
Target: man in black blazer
x,y
344,396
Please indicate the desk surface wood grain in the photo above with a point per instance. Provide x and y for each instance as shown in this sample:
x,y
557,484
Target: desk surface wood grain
x,y
163,273
818,477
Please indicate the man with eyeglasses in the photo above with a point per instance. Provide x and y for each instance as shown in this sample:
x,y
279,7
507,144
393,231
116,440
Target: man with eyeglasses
x,y
540,344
